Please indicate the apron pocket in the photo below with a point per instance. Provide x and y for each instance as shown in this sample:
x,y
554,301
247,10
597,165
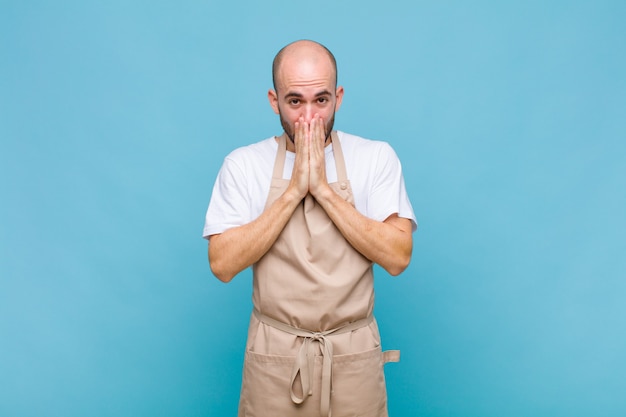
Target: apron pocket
x,y
359,385
265,388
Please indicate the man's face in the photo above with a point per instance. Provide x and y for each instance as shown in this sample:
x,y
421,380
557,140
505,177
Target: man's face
x,y
305,88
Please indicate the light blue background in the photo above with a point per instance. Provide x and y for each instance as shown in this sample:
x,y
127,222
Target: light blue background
x,y
510,120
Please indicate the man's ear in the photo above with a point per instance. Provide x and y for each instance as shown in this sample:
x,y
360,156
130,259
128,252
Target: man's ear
x,y
272,96
339,97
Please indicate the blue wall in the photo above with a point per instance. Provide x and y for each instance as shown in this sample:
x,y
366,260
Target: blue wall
x,y
510,120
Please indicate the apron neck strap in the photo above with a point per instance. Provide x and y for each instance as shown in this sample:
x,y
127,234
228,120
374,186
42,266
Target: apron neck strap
x,y
279,162
340,163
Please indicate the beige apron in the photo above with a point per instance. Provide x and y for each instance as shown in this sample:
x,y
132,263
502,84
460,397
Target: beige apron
x,y
313,345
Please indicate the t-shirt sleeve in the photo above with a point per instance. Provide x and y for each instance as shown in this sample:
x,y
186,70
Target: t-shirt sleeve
x,y
388,193
229,206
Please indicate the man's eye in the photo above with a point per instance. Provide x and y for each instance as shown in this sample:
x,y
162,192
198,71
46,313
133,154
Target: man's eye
x,y
322,100
294,102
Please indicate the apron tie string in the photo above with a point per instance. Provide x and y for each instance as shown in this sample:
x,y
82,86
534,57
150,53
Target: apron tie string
x,y
305,359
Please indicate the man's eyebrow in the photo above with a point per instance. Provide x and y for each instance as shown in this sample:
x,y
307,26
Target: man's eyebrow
x,y
293,94
323,93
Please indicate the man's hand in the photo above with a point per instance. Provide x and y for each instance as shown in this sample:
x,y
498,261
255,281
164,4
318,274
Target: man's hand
x,y
317,163
309,169
300,175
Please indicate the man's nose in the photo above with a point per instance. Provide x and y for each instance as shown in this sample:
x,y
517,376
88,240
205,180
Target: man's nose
x,y
308,113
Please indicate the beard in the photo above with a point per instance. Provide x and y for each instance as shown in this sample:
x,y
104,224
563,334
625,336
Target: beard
x,y
290,130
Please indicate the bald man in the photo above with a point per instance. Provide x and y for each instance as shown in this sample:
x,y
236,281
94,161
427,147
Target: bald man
x,y
311,211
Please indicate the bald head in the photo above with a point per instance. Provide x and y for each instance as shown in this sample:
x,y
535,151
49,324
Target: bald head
x,y
303,50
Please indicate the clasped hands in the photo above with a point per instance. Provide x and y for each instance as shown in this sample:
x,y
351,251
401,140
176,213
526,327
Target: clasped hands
x,y
309,170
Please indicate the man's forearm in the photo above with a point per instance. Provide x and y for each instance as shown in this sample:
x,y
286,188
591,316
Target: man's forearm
x,y
387,243
238,248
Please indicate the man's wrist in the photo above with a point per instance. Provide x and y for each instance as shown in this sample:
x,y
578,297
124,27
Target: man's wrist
x,y
323,193
293,196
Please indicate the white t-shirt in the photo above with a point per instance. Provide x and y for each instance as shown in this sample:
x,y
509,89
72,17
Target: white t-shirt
x,y
243,183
